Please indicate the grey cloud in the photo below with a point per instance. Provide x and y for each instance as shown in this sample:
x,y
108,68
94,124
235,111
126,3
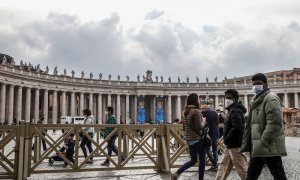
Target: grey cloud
x,y
153,15
165,47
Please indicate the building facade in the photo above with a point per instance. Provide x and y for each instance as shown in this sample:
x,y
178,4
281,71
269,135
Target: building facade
x,y
27,92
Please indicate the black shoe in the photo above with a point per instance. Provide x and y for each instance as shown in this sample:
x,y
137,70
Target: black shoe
x,y
105,163
51,161
90,162
213,168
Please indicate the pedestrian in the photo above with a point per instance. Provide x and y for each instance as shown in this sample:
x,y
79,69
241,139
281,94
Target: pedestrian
x,y
67,150
232,134
86,142
221,121
264,134
193,123
212,122
44,131
111,119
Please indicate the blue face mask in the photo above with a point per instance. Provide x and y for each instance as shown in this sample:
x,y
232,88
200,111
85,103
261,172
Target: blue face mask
x,y
257,89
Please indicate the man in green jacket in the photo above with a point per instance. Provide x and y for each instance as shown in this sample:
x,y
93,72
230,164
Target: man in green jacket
x,y
111,119
264,133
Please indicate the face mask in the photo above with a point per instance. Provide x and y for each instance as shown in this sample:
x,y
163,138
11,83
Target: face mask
x,y
228,102
257,89
106,113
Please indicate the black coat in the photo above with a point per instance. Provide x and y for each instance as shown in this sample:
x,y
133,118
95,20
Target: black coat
x,y
234,125
212,121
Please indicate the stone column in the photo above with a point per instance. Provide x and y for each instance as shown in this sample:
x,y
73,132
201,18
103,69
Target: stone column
x,y
134,108
296,100
169,118
54,107
216,102
81,103
286,103
118,110
45,107
3,100
127,110
72,103
246,102
11,104
36,104
108,99
99,109
153,108
91,103
178,114
27,104
19,104
63,103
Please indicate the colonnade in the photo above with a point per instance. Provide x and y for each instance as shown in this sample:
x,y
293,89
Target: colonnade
x,y
20,102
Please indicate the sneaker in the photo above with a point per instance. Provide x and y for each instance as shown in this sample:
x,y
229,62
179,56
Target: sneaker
x,y
174,176
90,162
51,161
213,168
105,163
123,159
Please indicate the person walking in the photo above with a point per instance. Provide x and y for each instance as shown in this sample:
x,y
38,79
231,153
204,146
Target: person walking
x,y
264,134
212,122
44,131
85,142
111,119
193,123
232,134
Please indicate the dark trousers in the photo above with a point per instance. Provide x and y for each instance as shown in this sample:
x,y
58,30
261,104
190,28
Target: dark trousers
x,y
88,143
111,146
43,144
197,149
213,155
274,164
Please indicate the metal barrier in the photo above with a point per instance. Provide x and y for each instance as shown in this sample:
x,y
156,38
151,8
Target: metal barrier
x,y
159,147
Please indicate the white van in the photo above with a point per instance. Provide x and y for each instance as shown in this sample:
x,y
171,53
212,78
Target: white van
x,y
72,119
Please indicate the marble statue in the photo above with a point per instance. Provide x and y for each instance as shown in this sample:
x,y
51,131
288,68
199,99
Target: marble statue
x,y
138,78
82,74
55,71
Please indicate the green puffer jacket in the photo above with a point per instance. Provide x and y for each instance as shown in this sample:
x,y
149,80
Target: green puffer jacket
x,y
267,129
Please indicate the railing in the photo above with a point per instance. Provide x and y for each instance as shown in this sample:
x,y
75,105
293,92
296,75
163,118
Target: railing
x,y
158,147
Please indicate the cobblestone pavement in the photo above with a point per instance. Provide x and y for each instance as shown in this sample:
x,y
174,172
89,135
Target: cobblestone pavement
x,y
291,164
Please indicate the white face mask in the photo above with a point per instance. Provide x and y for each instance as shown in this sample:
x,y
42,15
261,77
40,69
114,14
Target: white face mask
x,y
106,113
257,89
228,102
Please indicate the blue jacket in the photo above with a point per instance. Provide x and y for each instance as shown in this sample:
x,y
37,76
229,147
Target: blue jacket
x,y
212,120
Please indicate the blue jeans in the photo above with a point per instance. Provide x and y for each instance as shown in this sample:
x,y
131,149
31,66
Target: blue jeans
x,y
197,149
111,146
86,142
213,155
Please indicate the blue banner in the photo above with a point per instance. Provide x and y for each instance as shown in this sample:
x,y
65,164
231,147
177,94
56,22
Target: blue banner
x,y
159,110
141,109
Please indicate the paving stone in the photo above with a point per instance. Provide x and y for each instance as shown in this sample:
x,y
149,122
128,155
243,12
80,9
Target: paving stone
x,y
291,165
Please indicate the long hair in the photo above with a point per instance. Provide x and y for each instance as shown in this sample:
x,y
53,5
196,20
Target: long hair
x,y
191,102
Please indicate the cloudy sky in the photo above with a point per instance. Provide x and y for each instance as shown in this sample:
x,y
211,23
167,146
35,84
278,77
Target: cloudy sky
x,y
205,38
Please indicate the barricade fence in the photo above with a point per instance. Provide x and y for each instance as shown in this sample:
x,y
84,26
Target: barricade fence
x,y
159,147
